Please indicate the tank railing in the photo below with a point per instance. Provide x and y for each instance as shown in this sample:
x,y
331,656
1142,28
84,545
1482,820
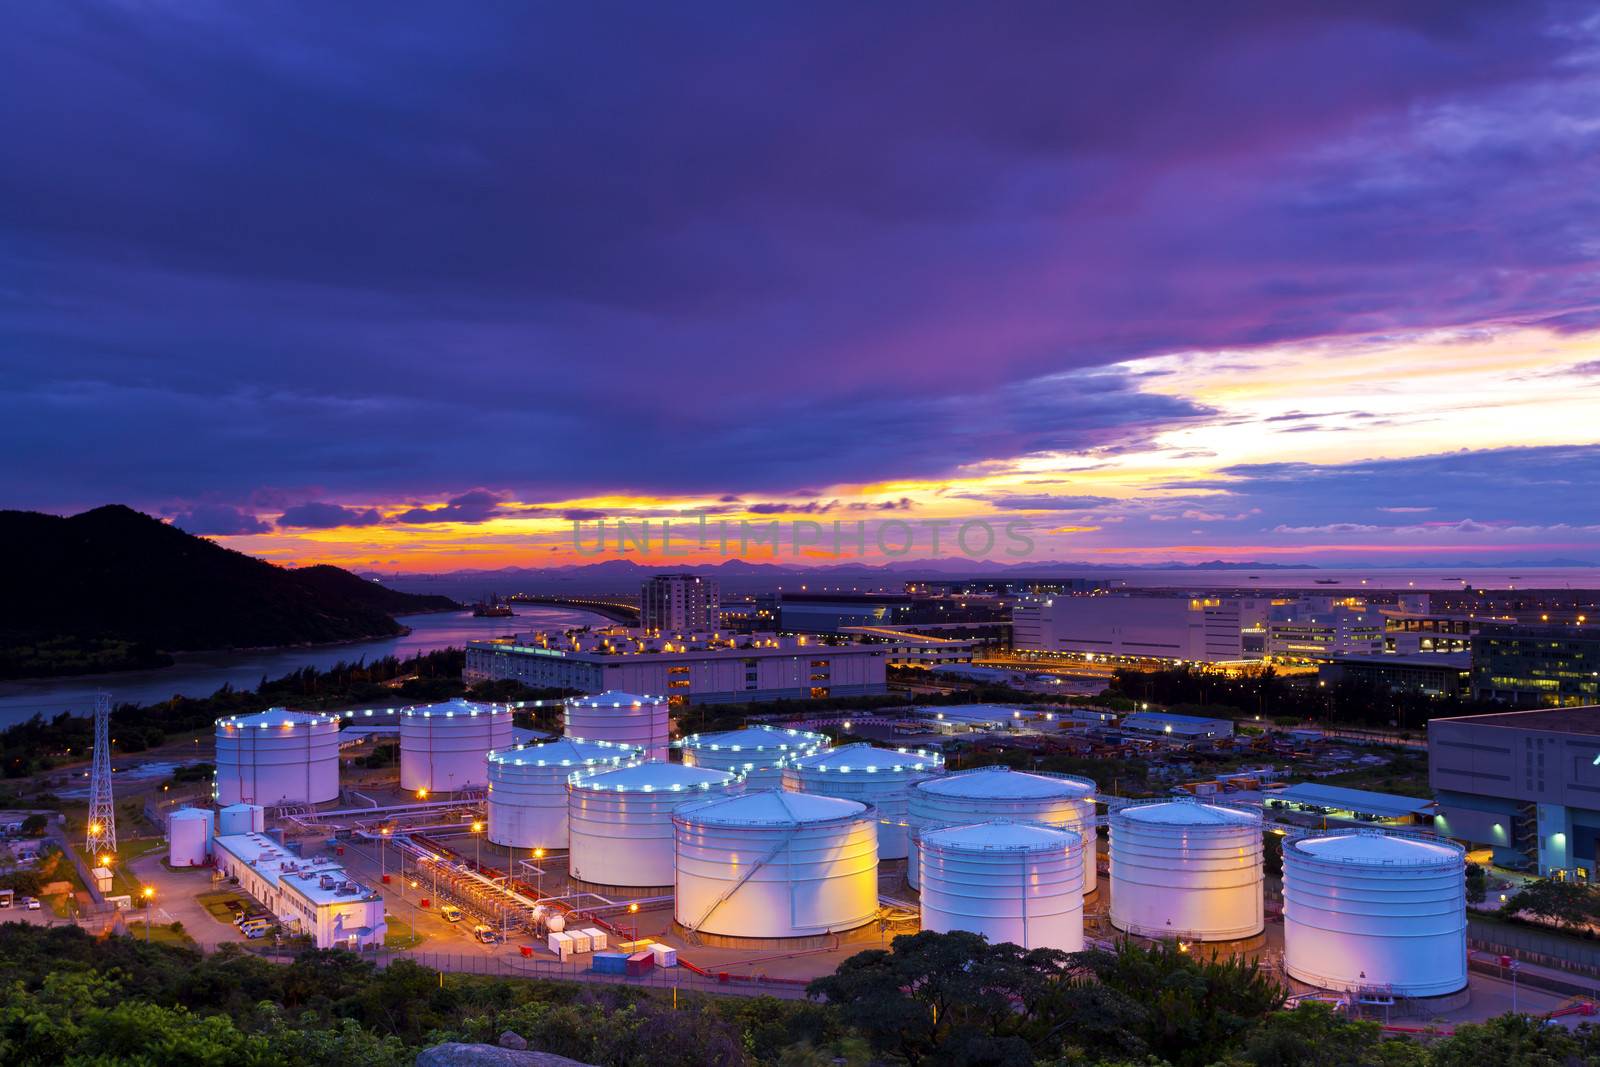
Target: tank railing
x,y
1241,807
1294,841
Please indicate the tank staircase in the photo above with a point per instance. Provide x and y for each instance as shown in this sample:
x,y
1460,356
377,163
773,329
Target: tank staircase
x,y
692,930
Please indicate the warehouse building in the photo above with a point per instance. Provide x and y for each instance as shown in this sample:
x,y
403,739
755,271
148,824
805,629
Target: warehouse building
x,y
714,668
1523,783
308,896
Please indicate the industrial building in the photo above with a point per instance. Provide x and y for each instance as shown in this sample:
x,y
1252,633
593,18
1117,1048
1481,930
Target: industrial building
x,y
1010,881
680,603
1552,666
1375,912
637,721
690,668
880,777
1523,783
775,864
276,757
1187,870
1175,629
1438,674
1320,627
1178,727
309,896
756,752
442,746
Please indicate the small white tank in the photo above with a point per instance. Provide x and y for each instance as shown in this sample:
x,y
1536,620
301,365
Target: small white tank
x,y
241,819
1186,869
623,719
1001,793
882,777
619,822
189,837
528,788
1010,881
1375,909
757,752
775,864
276,757
555,923
442,746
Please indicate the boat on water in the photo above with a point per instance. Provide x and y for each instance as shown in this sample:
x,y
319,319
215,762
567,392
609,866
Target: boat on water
x,y
492,607
1327,581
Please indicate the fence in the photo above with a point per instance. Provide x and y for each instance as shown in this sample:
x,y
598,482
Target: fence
x,y
1536,946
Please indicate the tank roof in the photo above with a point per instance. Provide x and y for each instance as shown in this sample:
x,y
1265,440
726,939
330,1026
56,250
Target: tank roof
x,y
615,698
277,717
868,758
457,708
653,776
1379,848
1188,811
191,813
772,807
565,751
755,738
1002,835
1005,783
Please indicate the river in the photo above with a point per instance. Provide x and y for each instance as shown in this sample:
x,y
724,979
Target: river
x,y
199,674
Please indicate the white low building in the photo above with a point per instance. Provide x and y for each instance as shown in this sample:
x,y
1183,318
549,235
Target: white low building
x,y
309,896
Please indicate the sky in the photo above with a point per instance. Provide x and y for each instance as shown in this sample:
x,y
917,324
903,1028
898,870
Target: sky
x,y
416,287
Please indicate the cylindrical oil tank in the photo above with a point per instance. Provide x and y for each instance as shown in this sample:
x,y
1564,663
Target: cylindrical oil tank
x,y
1001,793
619,822
882,777
1010,881
277,757
757,752
442,746
1186,869
241,819
773,863
1375,909
623,719
528,788
189,837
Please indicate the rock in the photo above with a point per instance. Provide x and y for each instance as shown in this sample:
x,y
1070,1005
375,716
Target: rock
x,y
512,1039
457,1054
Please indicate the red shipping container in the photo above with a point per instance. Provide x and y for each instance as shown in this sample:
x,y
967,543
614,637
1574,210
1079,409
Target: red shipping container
x,y
641,963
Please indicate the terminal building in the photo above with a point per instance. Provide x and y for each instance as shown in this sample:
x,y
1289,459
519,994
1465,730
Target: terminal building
x,y
1140,628
1525,784
1321,627
695,668
1529,666
308,896
678,603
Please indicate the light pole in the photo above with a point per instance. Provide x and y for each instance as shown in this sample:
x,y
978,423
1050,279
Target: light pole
x,y
383,852
538,854
633,910
477,844
149,893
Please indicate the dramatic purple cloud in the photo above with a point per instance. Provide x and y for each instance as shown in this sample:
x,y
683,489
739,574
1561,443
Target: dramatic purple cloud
x,y
218,520
736,249
316,515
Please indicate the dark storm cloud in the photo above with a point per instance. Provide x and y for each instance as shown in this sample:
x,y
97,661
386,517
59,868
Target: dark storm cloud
x,y
476,506
316,515
218,520
409,249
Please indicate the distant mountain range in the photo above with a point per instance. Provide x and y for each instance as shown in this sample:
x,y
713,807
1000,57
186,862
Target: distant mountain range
x,y
114,589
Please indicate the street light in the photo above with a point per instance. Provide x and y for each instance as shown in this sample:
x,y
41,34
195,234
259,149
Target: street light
x,y
383,852
149,893
633,909
538,854
477,844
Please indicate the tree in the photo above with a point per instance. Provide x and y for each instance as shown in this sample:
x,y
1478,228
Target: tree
x,y
1509,1041
1313,1036
1561,903
1477,884
35,825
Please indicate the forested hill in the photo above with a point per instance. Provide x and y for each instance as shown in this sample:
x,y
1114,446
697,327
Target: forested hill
x,y
114,589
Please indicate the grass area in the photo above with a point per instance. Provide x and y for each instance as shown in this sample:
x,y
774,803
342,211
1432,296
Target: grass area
x,y
216,903
399,939
60,903
161,935
1404,776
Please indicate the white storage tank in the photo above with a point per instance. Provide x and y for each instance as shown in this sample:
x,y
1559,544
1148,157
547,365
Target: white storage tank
x,y
189,837
1010,881
276,757
623,719
1001,793
1187,869
241,819
882,777
528,788
442,746
619,822
775,864
757,752
1365,909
